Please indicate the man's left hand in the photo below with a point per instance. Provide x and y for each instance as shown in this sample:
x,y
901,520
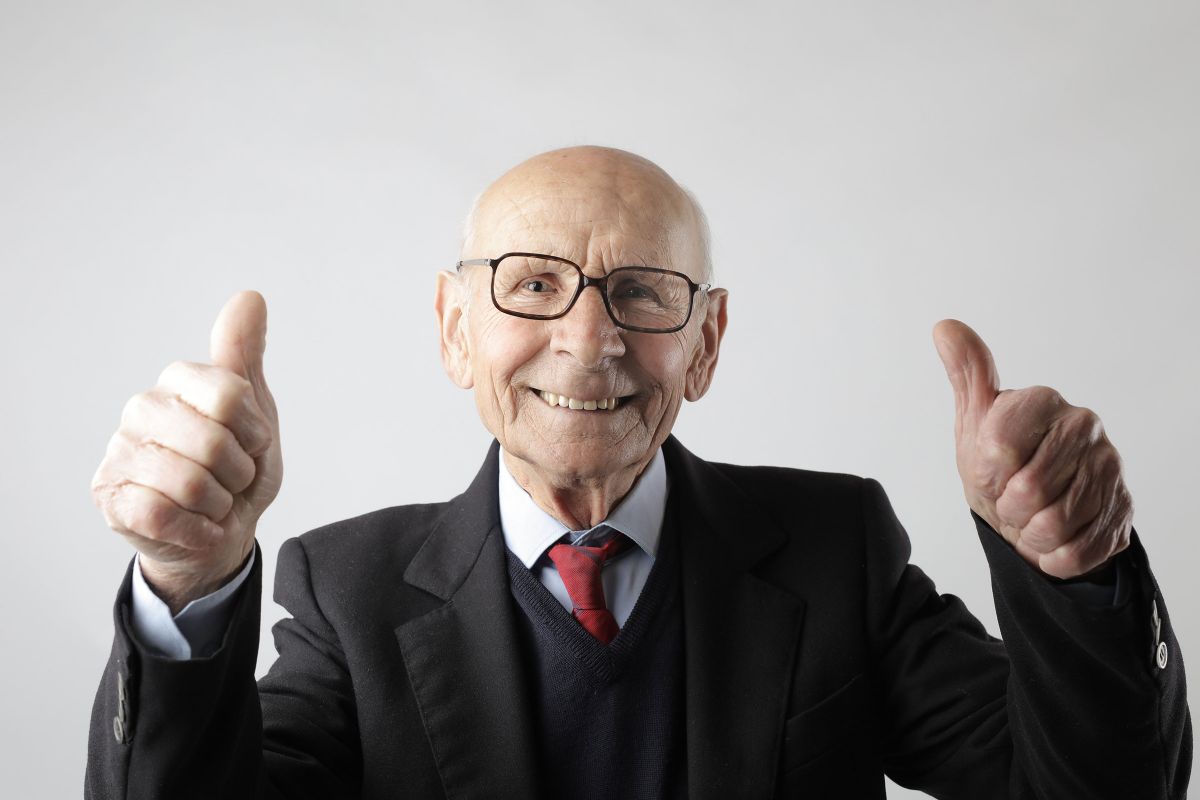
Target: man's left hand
x,y
1039,470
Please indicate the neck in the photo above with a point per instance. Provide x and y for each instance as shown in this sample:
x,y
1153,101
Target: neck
x,y
578,503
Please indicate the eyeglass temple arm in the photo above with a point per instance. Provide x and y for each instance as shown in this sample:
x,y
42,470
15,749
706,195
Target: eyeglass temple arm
x,y
477,262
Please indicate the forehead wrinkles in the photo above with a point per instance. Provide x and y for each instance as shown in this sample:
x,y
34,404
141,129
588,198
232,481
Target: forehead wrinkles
x,y
603,229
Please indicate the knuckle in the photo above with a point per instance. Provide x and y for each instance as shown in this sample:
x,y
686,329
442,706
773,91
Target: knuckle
x,y
100,481
1088,423
119,509
113,451
106,480
228,400
156,518
245,475
101,489
1107,464
223,505
1046,395
117,444
175,372
210,446
193,489
1024,489
1035,529
1126,499
1044,530
135,409
167,373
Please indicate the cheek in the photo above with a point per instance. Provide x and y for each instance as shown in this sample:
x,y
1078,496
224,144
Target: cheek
x,y
668,361
500,350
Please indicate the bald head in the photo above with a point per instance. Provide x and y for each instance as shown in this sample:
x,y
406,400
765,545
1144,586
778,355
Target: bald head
x,y
625,208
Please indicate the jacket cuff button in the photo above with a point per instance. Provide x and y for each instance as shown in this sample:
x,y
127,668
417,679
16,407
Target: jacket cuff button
x,y
1160,656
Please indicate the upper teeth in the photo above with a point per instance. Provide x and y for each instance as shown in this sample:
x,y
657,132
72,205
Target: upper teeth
x,y
553,399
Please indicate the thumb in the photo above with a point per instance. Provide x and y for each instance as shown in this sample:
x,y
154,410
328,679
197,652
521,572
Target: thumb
x,y
239,338
971,370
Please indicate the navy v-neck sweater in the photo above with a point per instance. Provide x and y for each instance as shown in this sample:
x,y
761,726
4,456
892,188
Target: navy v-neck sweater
x,y
609,718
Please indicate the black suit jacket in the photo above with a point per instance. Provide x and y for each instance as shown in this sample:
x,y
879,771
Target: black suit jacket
x,y
817,659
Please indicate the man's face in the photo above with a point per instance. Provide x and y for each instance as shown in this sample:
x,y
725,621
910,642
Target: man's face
x,y
602,216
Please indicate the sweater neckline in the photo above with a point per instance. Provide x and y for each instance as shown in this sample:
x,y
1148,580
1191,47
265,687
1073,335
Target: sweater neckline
x,y
605,662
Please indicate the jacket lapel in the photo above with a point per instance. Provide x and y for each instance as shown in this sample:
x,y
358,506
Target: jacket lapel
x,y
741,633
462,657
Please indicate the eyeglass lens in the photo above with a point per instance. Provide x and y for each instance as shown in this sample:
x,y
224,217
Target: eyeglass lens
x,y
642,298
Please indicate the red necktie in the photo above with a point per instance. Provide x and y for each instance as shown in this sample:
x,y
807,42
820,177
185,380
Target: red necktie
x,y
579,566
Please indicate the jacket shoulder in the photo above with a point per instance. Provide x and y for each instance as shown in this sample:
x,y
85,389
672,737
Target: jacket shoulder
x,y
821,517
790,487
380,541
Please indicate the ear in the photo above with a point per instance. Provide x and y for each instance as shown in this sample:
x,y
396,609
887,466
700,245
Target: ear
x,y
449,303
704,359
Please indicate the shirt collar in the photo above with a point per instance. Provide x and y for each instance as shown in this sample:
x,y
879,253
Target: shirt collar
x,y
529,531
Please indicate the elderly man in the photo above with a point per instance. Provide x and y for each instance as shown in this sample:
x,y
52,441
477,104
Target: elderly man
x,y
601,613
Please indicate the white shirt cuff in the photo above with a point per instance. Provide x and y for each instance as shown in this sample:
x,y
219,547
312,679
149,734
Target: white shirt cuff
x,y
196,631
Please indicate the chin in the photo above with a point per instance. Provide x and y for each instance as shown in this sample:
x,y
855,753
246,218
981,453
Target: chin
x,y
581,460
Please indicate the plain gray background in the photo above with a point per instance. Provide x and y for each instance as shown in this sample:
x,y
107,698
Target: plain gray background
x,y
1030,168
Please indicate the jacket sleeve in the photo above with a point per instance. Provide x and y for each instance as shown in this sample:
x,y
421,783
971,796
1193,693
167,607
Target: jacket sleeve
x,y
202,728
1077,701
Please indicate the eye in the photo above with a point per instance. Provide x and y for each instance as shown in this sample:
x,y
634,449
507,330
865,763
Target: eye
x,y
635,292
536,286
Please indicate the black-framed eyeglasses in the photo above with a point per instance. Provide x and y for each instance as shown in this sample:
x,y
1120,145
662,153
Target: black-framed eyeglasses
x,y
538,286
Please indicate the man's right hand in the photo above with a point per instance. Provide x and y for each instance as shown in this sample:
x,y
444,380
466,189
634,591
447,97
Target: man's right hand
x,y
196,461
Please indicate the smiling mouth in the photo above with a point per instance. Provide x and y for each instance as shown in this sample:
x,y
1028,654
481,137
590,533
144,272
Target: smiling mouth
x,y
578,404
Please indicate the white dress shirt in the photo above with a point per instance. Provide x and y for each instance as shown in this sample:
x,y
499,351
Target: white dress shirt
x,y
529,532
197,630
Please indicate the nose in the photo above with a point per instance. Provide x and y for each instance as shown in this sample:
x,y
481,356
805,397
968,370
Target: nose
x,y
587,332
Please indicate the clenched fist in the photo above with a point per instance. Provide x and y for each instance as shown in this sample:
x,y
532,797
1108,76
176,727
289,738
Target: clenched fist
x,y
196,461
1039,470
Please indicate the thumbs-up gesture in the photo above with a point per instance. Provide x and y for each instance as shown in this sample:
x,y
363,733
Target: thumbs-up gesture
x,y
1039,470
196,461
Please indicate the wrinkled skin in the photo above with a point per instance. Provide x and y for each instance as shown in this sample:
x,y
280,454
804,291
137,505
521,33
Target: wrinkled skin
x,y
602,209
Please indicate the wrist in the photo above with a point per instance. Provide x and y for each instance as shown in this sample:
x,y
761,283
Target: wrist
x,y
178,584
